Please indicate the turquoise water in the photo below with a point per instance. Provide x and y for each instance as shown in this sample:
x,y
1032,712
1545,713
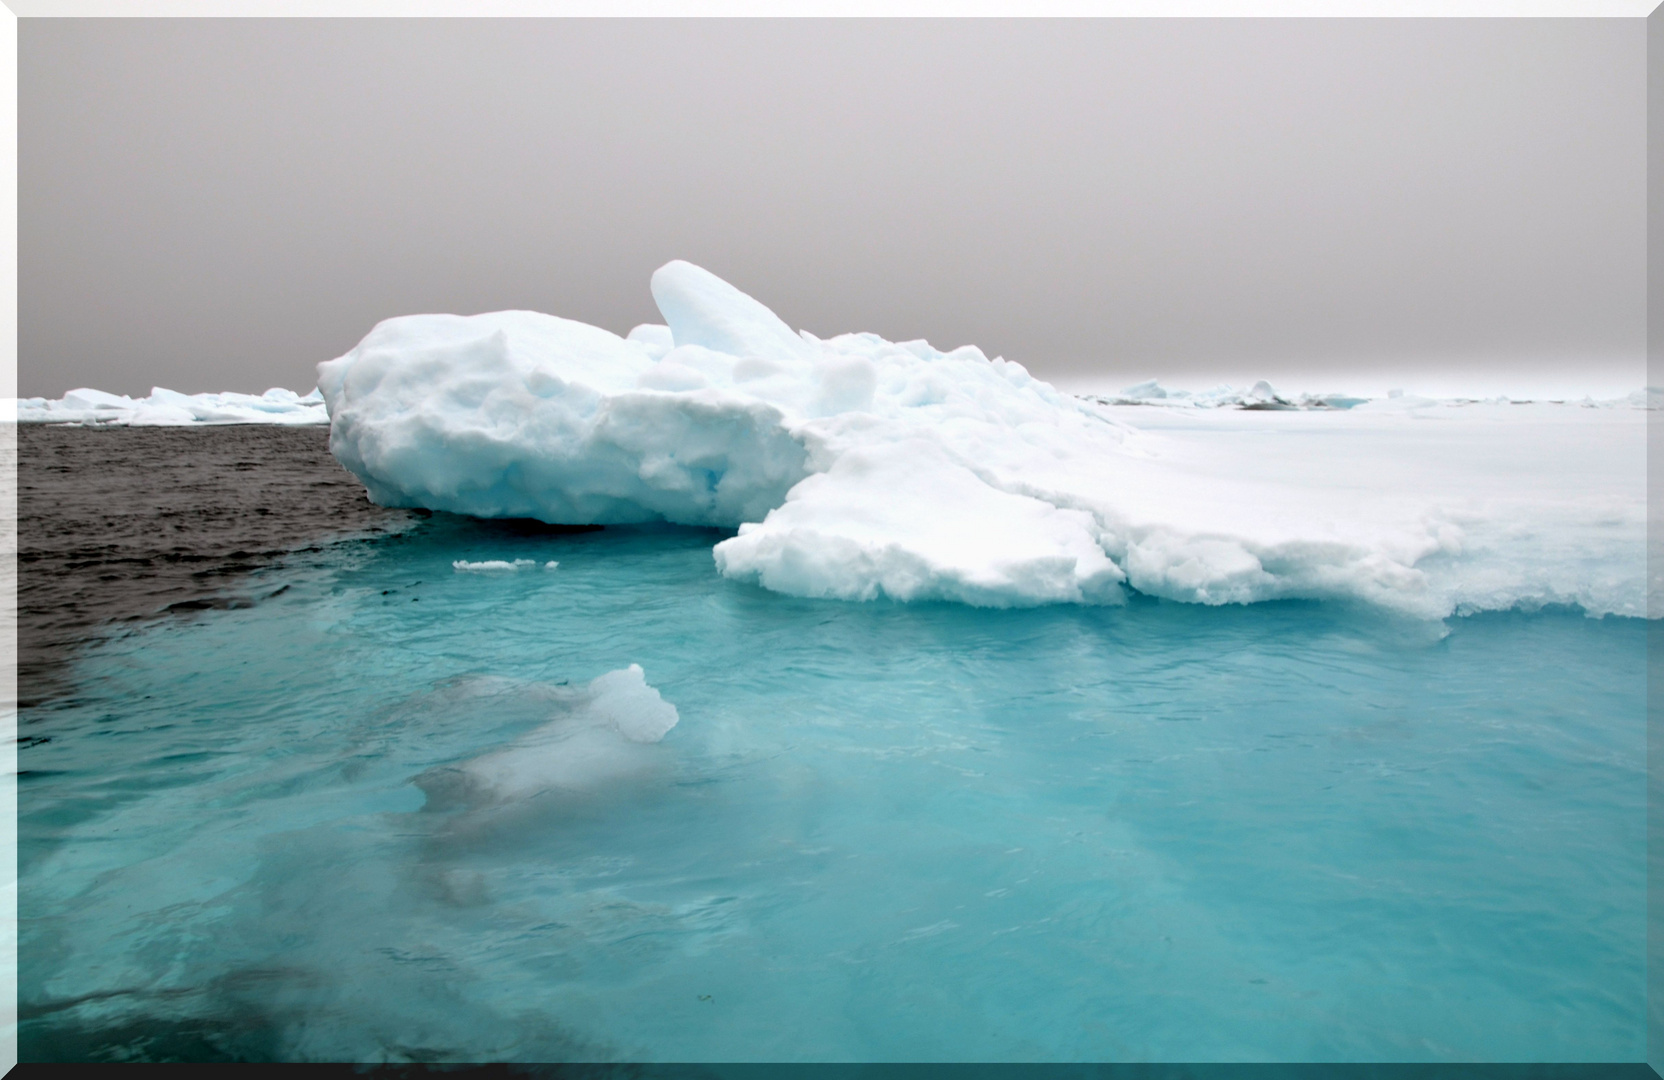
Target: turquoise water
x,y
1290,831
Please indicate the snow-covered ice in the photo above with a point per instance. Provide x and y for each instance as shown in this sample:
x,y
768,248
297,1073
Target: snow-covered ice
x,y
855,467
168,408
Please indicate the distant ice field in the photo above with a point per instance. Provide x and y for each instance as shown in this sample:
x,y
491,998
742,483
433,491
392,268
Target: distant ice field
x,y
626,808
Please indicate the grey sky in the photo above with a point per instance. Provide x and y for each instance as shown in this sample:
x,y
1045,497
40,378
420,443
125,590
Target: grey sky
x,y
1336,204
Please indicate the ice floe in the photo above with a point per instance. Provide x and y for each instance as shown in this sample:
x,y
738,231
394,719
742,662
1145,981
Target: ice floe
x,y
855,467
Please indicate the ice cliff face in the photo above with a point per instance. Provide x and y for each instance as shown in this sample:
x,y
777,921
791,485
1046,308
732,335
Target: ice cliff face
x,y
856,467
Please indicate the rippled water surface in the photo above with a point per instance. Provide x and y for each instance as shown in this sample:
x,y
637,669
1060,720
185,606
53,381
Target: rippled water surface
x,y
116,524
879,832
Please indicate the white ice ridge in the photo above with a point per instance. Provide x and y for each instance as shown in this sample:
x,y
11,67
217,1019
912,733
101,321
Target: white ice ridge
x,y
168,408
498,566
596,738
855,467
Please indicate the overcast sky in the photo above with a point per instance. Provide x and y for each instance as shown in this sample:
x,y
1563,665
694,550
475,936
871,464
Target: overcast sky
x,y
1445,205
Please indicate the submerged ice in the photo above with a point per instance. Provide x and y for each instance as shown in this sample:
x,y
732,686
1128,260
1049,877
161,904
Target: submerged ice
x,y
854,467
597,737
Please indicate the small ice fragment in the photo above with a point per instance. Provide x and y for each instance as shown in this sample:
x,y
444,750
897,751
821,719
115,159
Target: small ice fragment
x,y
463,566
550,565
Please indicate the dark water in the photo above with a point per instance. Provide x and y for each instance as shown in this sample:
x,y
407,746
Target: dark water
x,y
118,524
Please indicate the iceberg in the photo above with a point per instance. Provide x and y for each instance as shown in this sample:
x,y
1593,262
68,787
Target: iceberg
x,y
856,468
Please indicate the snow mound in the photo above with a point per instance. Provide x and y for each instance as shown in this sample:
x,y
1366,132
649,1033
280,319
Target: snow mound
x,y
598,737
856,467
167,408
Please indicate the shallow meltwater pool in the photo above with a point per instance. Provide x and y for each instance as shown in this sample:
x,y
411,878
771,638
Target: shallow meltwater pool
x,y
1285,831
